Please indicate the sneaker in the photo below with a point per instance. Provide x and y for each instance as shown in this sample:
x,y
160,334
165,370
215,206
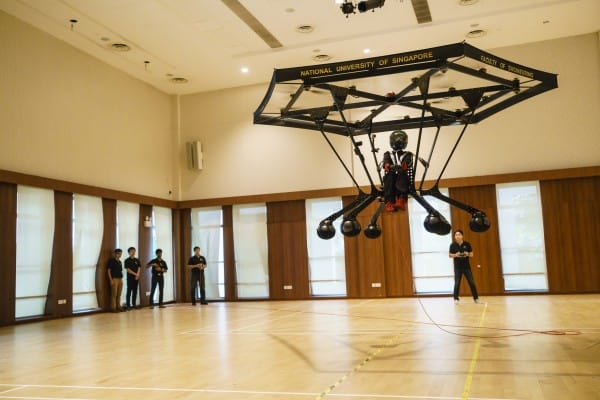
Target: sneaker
x,y
400,203
477,301
204,302
455,301
161,306
389,206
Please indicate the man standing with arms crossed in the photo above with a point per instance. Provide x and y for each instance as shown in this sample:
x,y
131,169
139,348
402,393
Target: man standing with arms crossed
x,y
197,263
159,267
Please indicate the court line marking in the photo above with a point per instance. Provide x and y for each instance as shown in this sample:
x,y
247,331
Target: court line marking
x,y
224,391
474,357
357,367
12,390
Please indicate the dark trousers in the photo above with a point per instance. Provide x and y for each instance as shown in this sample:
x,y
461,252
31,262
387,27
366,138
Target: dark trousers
x,y
132,289
160,281
458,273
198,279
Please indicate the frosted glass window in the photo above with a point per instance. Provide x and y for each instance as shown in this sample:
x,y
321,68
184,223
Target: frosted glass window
x,y
162,238
521,228
251,251
88,227
207,233
433,270
128,221
35,236
326,262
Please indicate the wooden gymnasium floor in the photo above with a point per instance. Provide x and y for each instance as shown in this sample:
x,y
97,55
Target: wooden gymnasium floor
x,y
517,347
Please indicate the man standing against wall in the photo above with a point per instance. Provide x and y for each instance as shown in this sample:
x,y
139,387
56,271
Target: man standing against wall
x,y
197,263
159,267
132,265
115,277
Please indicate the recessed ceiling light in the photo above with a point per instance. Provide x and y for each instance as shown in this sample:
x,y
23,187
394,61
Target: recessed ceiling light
x,y
546,21
304,28
178,79
105,39
467,2
120,47
476,33
290,10
366,51
244,70
321,57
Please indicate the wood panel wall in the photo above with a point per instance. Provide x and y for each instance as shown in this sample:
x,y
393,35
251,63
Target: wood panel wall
x,y
107,248
180,253
571,213
486,245
185,249
145,253
8,249
397,254
60,286
364,259
229,254
288,255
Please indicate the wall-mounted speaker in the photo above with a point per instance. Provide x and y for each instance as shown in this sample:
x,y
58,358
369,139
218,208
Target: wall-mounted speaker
x,y
194,155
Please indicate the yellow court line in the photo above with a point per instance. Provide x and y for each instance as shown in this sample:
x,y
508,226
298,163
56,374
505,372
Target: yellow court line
x,y
469,380
361,364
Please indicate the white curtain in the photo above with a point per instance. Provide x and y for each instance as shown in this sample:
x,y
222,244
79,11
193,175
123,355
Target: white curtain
x,y
433,270
326,262
207,233
88,227
163,239
251,256
35,235
127,225
521,228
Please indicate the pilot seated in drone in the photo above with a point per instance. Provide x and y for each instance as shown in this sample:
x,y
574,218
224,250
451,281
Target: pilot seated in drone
x,y
398,181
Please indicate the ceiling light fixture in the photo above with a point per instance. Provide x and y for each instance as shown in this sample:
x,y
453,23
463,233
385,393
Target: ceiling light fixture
x,y
321,57
122,47
244,70
366,51
467,2
304,28
178,80
476,33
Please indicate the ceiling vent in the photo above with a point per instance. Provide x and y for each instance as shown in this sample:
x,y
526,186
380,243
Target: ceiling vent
x,y
421,9
179,80
321,57
250,20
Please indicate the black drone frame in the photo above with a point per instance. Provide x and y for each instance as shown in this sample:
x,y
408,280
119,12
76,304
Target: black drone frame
x,y
498,93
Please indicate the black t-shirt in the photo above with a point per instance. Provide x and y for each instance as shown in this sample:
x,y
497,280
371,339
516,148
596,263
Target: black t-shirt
x,y
465,247
115,267
132,264
162,264
197,261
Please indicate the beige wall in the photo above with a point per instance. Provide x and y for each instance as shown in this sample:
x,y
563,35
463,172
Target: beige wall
x,y
65,115
557,129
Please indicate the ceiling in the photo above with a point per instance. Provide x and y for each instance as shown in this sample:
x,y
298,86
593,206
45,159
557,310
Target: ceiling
x,y
207,43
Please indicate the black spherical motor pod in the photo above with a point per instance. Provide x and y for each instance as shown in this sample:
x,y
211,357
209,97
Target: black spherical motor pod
x,y
436,223
326,230
373,231
479,222
350,227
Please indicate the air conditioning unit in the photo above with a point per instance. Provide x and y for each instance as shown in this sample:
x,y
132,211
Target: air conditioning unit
x,y
194,155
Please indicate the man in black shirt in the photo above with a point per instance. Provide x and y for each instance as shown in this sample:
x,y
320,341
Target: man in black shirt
x,y
461,251
197,263
115,277
132,265
159,267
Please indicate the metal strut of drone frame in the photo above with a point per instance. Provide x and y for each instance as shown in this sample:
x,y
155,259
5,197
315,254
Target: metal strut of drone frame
x,y
481,102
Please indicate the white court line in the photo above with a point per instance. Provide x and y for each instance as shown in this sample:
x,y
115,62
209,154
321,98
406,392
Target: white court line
x,y
11,390
224,391
213,326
